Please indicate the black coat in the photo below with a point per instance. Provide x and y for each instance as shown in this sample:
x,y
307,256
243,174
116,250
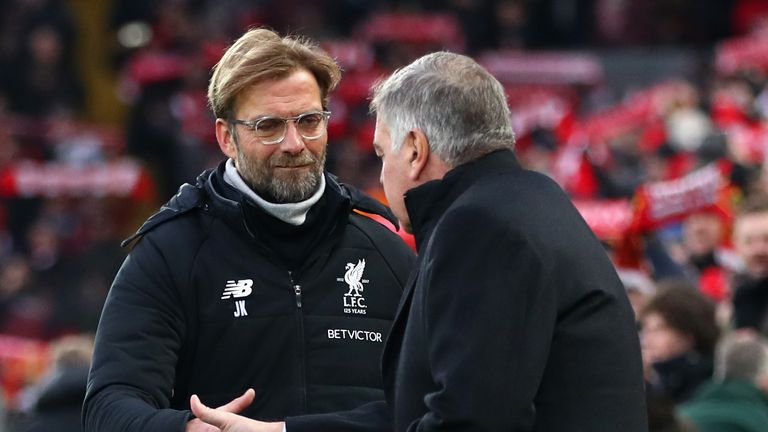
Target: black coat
x,y
680,377
58,403
750,303
514,319
217,296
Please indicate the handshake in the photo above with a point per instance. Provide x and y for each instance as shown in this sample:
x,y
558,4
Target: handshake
x,y
226,419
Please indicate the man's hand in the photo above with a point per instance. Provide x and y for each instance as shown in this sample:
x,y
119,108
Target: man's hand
x,y
234,406
225,419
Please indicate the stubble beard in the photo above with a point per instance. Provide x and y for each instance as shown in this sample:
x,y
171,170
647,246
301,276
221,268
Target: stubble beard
x,y
282,185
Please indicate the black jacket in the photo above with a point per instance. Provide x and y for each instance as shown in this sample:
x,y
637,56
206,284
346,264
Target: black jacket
x,y
680,377
57,406
750,303
514,319
211,301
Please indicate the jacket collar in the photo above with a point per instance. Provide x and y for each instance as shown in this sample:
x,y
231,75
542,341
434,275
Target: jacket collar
x,y
228,199
427,202
211,191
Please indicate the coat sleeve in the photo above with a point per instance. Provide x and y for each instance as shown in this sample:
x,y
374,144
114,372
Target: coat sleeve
x,y
488,319
371,417
137,347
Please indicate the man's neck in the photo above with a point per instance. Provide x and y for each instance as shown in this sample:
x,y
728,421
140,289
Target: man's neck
x,y
292,213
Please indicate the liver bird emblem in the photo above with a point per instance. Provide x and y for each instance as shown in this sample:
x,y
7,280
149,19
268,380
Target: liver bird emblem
x,y
353,277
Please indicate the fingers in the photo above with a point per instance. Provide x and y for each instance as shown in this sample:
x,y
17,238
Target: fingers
x,y
231,422
219,418
238,404
208,415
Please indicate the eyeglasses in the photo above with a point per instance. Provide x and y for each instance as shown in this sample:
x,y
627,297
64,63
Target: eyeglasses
x,y
271,129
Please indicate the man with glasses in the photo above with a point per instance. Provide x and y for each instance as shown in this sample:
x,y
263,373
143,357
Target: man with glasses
x,y
261,275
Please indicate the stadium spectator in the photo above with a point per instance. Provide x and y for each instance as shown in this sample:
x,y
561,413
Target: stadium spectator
x,y
736,400
44,82
54,403
708,263
750,237
23,311
678,337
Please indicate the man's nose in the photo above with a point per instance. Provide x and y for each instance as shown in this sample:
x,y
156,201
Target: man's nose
x,y
293,142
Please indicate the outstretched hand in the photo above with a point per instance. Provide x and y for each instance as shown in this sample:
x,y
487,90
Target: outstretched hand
x,y
234,406
225,419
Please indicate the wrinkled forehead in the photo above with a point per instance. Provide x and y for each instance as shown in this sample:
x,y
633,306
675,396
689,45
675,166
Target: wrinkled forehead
x,y
297,91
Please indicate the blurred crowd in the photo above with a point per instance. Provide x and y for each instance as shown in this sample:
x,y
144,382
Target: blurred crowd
x,y
671,176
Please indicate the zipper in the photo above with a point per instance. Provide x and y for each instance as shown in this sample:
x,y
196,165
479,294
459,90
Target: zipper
x,y
297,290
302,352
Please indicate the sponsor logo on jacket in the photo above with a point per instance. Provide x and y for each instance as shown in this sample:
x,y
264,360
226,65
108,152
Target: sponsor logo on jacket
x,y
236,289
361,335
353,301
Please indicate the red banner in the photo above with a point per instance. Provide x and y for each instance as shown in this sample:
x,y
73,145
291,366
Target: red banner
x,y
742,53
124,178
511,67
21,361
154,66
355,88
442,29
705,189
350,53
608,219
748,144
538,106
637,111
62,130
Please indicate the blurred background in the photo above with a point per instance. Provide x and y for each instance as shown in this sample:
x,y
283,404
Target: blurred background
x,y
650,113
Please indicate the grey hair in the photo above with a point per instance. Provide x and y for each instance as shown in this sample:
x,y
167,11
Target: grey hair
x,y
455,102
744,357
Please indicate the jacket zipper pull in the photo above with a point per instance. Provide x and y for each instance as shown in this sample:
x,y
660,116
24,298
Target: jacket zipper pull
x,y
297,289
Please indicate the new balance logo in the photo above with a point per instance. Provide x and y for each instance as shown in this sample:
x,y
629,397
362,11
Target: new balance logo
x,y
237,289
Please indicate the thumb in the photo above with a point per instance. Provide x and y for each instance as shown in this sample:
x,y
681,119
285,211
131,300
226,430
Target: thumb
x,y
238,404
208,415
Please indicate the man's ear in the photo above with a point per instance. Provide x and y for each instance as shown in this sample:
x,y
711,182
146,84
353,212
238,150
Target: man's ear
x,y
225,138
762,383
417,144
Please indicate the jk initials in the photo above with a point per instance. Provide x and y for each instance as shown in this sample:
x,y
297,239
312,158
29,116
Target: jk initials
x,y
240,309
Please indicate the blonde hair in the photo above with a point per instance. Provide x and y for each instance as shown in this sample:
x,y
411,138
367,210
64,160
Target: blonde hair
x,y
261,55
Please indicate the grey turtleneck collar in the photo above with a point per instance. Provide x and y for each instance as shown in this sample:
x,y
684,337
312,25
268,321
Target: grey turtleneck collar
x,y
292,213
